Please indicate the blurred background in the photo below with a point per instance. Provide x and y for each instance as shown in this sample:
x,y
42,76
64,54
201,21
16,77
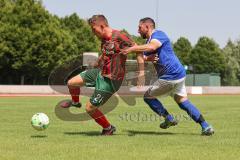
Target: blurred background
x,y
37,37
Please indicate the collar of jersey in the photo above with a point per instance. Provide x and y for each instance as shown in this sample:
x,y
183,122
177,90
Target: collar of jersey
x,y
151,35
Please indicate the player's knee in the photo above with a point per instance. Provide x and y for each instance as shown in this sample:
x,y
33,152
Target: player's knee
x,y
89,107
70,82
75,81
179,99
147,97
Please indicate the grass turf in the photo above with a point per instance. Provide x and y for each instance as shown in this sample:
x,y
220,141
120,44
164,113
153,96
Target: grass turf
x,y
138,134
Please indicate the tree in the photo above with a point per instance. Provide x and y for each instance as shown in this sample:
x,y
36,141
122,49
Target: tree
x,y
6,49
32,41
207,57
232,72
139,40
183,48
81,33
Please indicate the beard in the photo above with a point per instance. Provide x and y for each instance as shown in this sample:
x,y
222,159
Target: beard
x,y
144,36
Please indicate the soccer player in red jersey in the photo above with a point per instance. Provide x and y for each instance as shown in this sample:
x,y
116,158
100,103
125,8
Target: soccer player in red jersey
x,y
108,76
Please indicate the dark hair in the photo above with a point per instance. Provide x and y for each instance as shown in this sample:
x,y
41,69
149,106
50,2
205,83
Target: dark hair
x,y
148,20
97,18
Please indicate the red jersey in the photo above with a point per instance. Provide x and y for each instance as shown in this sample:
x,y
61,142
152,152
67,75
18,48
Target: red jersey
x,y
113,62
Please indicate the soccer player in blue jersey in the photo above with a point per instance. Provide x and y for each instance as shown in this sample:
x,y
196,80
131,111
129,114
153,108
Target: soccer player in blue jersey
x,y
171,76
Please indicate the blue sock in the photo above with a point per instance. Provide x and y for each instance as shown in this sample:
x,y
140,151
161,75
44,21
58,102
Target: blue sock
x,y
204,124
170,117
192,111
157,107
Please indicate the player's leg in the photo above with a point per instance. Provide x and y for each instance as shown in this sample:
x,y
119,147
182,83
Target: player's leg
x,y
100,119
160,88
74,85
104,89
88,78
74,90
181,99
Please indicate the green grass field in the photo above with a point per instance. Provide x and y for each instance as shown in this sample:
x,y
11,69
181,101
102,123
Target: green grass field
x,y
138,135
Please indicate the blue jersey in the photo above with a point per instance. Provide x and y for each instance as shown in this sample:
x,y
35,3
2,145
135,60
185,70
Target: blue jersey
x,y
168,65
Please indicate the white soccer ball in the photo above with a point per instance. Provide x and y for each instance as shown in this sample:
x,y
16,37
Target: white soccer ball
x,y
40,121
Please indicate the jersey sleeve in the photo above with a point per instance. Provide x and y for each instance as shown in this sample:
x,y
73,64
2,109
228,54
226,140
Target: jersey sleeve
x,y
160,36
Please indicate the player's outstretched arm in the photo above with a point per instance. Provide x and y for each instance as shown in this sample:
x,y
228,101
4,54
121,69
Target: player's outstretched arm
x,y
150,47
141,76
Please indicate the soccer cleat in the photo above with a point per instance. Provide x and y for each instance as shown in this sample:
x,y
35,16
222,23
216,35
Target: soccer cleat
x,y
77,105
167,123
208,131
108,132
69,103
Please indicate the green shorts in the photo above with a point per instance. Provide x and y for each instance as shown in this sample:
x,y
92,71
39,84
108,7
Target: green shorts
x,y
104,87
